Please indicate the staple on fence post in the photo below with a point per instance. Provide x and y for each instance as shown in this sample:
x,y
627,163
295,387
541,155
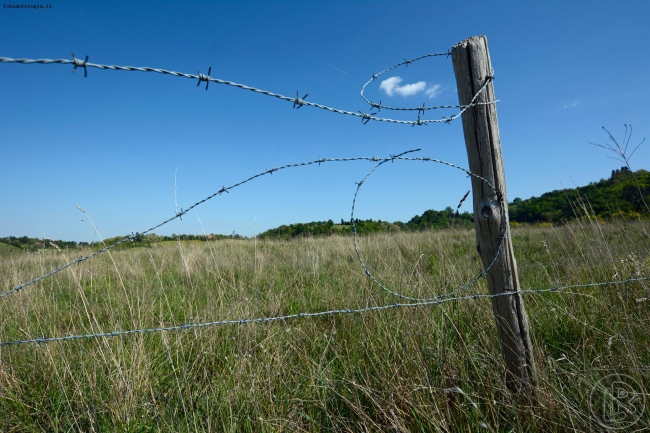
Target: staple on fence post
x,y
472,67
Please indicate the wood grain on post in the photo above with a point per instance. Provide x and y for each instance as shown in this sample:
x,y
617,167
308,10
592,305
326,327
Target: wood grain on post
x,y
472,68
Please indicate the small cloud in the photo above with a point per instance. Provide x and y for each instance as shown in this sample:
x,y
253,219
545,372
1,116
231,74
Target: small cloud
x,y
392,86
433,91
411,89
573,104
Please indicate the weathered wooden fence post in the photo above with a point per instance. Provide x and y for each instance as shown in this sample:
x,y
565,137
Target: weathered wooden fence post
x,y
472,68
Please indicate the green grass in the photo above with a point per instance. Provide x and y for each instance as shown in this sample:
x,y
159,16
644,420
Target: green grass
x,y
380,371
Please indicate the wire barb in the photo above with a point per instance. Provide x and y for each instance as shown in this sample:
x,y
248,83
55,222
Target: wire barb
x,y
420,122
78,62
298,101
205,78
365,117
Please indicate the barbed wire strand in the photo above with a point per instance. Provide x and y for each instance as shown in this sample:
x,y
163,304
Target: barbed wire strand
x,y
297,101
475,296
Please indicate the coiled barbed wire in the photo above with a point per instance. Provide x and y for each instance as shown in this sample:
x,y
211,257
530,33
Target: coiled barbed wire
x,y
225,189
504,230
422,108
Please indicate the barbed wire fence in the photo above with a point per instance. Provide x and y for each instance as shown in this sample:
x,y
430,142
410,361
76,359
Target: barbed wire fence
x,y
297,102
453,295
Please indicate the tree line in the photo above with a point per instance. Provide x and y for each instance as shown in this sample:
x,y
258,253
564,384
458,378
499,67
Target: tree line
x,y
431,219
34,244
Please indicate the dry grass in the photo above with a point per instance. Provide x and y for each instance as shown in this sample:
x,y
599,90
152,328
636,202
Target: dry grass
x,y
382,371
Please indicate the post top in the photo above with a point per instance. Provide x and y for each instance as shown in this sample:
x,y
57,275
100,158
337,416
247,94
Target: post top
x,y
469,40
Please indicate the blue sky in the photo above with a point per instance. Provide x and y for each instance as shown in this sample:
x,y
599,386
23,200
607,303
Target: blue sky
x,y
115,143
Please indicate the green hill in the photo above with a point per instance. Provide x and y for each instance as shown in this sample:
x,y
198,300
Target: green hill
x,y
616,196
8,249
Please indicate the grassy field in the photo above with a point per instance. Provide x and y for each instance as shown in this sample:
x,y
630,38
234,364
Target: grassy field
x,y
379,371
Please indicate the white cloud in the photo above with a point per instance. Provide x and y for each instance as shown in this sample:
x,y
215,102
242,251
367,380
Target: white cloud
x,y
573,104
392,86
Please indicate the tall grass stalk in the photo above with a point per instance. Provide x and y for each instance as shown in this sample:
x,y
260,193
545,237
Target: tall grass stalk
x,y
621,152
